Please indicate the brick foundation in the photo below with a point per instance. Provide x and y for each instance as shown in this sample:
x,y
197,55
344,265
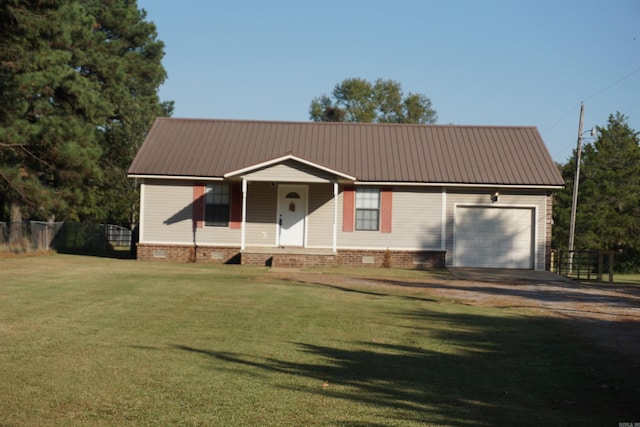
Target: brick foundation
x,y
302,260
299,258
403,259
188,253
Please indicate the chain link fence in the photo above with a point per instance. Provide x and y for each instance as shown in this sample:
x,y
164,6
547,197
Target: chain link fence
x,y
67,237
28,236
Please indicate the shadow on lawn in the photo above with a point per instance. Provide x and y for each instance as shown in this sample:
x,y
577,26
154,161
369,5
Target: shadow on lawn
x,y
371,293
488,371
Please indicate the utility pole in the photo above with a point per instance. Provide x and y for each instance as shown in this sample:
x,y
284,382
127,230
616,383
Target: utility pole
x,y
576,182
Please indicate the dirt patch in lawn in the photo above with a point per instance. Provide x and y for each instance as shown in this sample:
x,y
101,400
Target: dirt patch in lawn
x,y
609,314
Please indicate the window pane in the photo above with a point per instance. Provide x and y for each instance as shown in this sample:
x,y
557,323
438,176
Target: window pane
x,y
367,198
216,215
217,194
367,219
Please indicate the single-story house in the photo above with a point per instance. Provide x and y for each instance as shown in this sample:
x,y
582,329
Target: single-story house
x,y
307,193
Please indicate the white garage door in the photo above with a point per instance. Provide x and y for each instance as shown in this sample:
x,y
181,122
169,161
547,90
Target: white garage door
x,y
493,237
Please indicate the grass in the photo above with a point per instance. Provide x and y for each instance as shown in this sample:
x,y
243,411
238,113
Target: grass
x,y
101,342
625,278
618,279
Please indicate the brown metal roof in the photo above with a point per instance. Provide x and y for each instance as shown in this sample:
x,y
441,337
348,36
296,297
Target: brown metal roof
x,y
370,152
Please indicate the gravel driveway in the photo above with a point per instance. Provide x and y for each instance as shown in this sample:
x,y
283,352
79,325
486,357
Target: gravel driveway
x,y
607,313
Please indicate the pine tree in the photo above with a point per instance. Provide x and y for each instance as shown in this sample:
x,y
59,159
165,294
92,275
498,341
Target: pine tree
x,y
608,211
127,64
48,111
79,82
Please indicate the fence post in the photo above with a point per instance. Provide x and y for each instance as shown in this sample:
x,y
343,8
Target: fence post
x,y
600,266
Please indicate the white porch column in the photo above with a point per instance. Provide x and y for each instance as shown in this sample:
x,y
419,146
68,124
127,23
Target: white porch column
x,y
141,217
335,217
243,228
443,220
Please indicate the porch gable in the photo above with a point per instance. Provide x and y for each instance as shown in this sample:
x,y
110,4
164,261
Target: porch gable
x,y
289,168
290,171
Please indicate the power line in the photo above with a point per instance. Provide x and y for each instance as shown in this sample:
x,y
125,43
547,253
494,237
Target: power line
x,y
613,84
575,107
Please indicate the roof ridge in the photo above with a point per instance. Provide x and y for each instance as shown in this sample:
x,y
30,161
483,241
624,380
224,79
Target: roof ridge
x,y
294,122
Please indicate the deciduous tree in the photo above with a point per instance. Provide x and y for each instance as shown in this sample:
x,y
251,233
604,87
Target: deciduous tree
x,y
357,100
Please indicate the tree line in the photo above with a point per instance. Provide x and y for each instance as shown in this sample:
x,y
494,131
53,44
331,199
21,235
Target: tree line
x,y
79,81
608,204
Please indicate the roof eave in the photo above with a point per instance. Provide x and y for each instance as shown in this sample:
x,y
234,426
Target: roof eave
x,y
461,185
174,177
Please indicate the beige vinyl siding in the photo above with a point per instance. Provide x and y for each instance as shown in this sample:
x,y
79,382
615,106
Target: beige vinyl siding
x,y
168,217
261,214
416,223
320,216
482,197
166,212
289,171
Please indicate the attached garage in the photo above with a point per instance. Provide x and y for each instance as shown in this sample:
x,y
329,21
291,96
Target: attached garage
x,y
494,237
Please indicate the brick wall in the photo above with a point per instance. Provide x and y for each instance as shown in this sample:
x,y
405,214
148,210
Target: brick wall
x,y
222,255
188,253
282,260
549,234
404,259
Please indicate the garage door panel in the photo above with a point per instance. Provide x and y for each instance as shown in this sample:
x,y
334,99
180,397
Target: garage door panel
x,y
505,245
497,237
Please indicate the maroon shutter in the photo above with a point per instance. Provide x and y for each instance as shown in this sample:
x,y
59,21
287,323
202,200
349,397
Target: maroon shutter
x,y
348,208
198,205
385,210
235,214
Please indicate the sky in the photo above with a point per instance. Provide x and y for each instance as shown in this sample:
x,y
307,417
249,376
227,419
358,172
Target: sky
x,y
489,62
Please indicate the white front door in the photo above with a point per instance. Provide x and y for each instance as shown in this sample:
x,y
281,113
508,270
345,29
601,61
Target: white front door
x,y
292,213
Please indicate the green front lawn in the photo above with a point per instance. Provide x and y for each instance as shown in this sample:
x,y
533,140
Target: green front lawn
x,y
91,341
